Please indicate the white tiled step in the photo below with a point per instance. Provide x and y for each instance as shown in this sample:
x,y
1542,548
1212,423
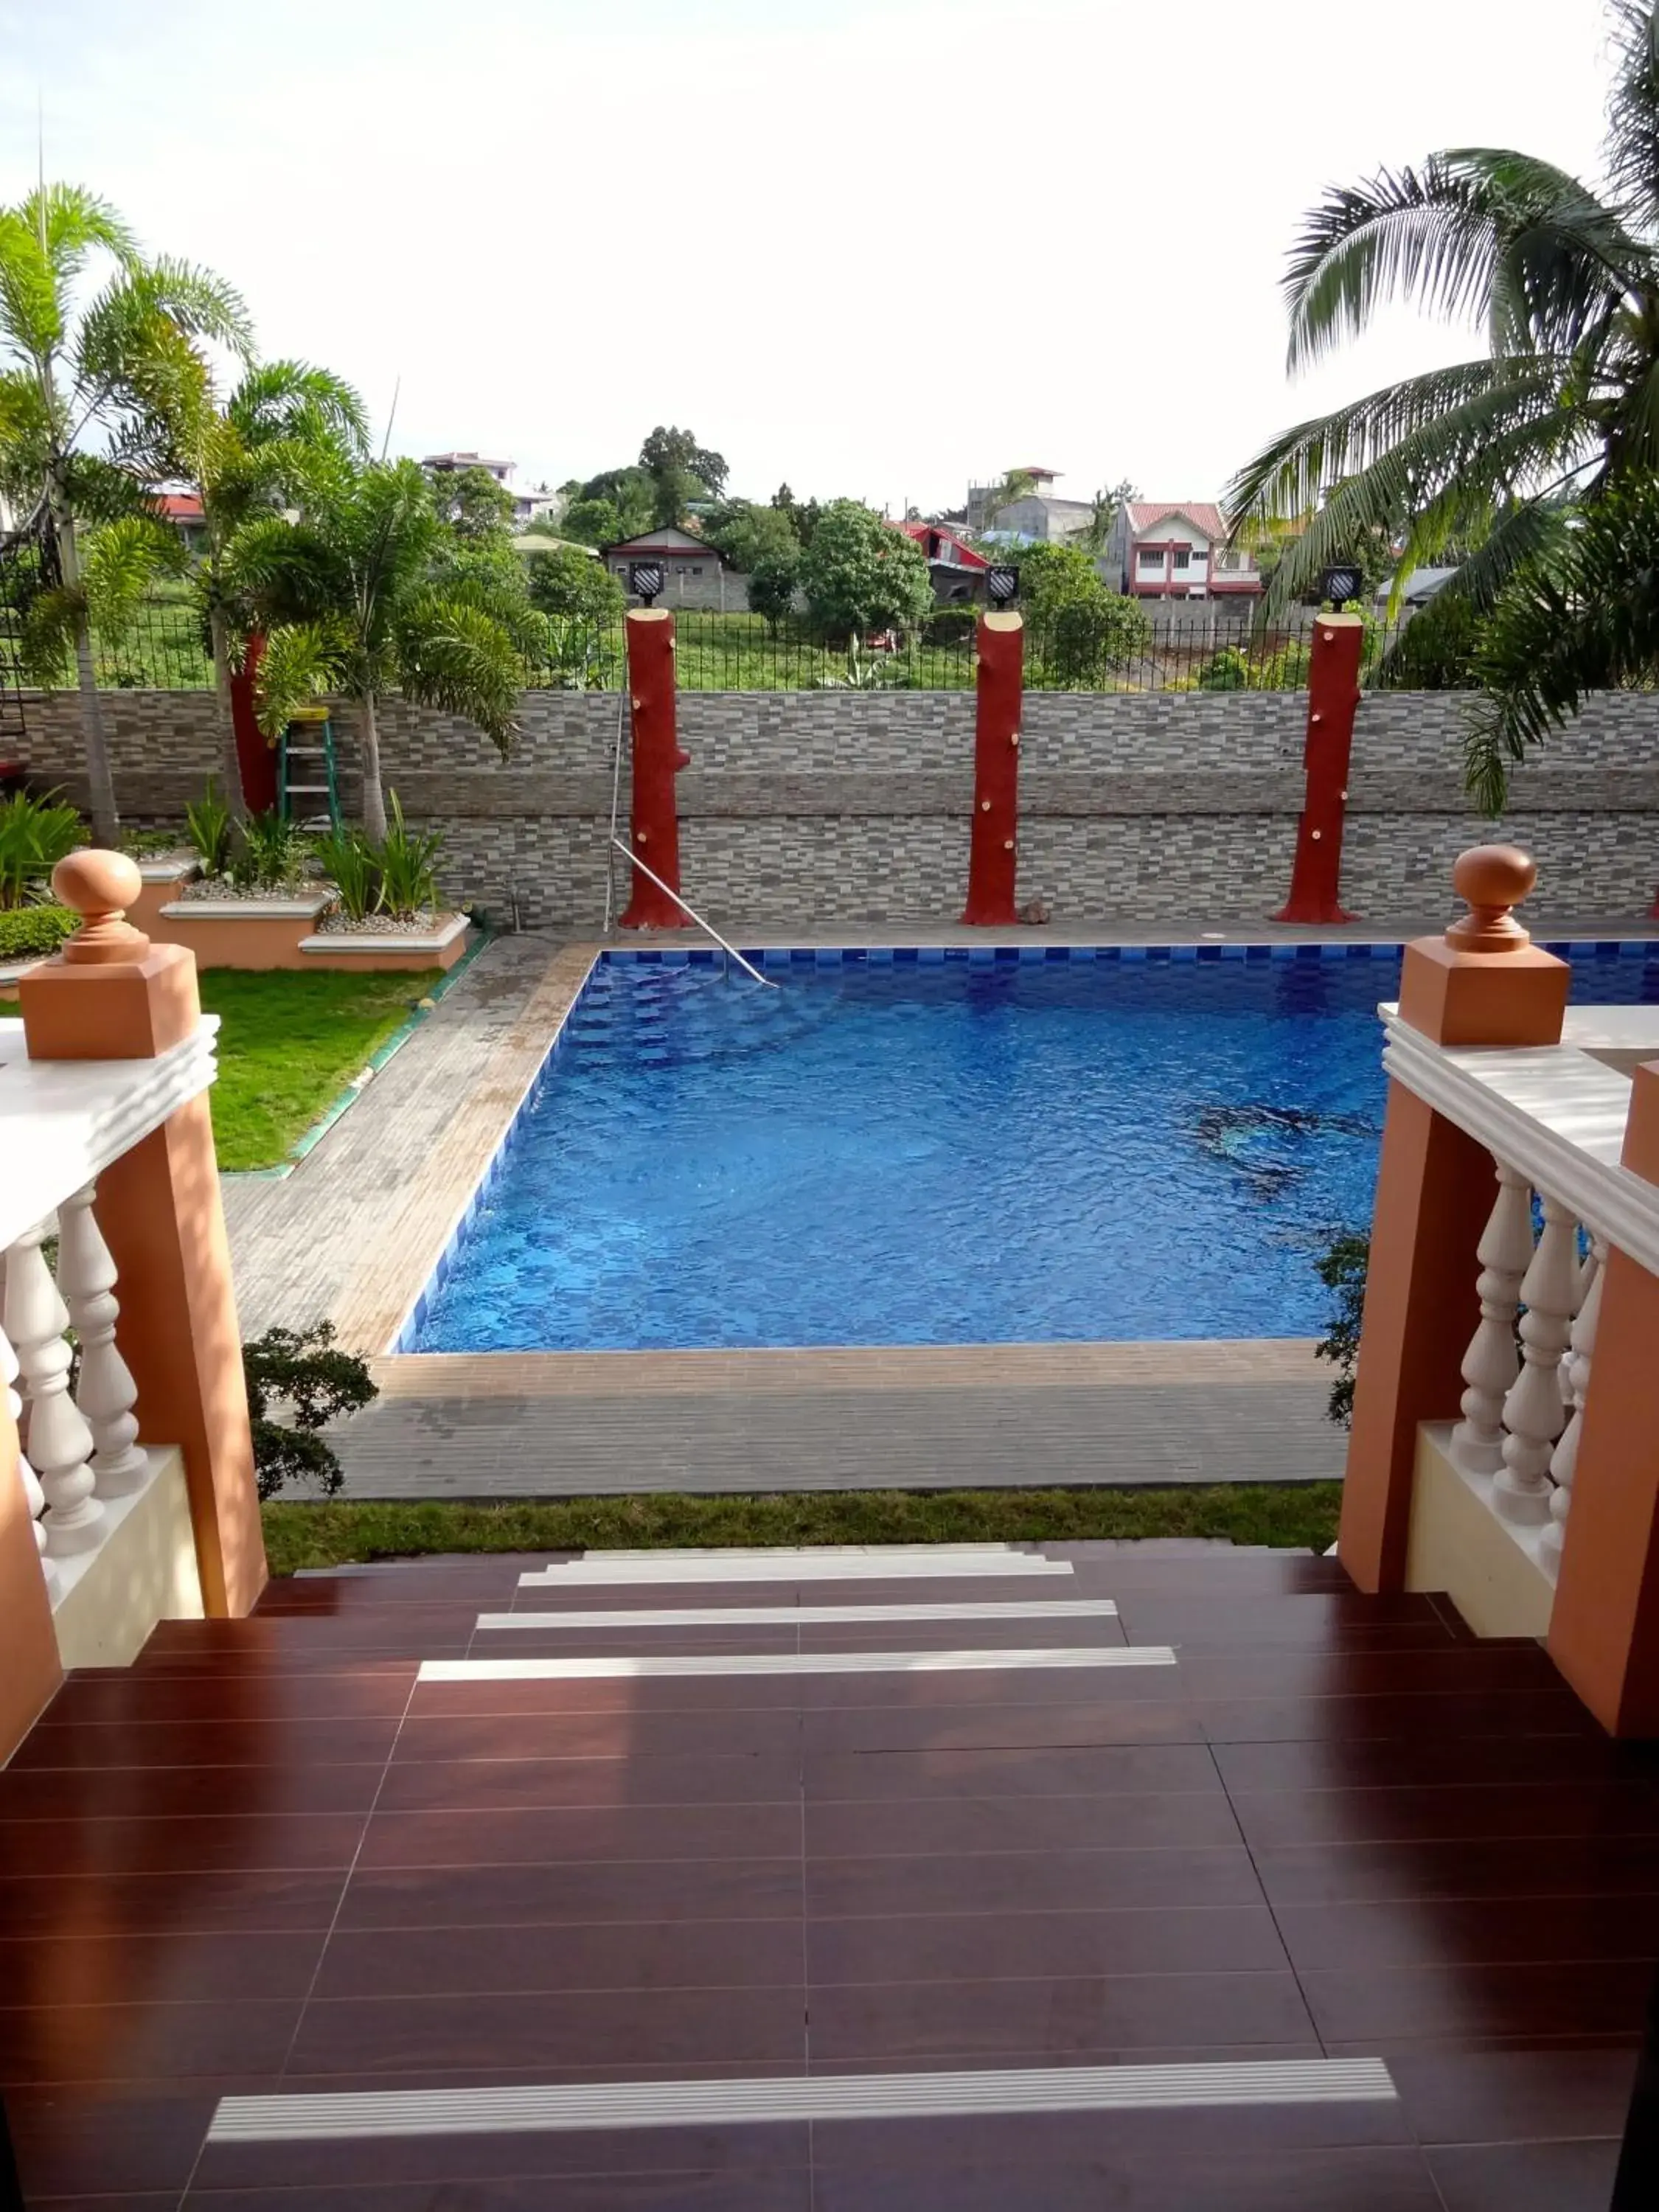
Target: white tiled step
x,y
798,1567
788,1616
805,1550
792,1662
820,2097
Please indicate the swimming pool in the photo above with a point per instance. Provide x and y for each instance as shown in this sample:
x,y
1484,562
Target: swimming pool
x,y
939,1147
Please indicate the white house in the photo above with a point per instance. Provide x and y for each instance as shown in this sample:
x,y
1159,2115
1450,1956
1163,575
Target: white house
x,y
530,504
1176,549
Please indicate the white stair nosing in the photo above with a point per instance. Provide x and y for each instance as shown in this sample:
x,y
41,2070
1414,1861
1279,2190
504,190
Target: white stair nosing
x,y
788,1616
769,1568
314,2117
794,1662
794,1551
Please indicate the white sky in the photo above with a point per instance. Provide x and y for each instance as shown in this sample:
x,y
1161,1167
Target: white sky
x,y
870,246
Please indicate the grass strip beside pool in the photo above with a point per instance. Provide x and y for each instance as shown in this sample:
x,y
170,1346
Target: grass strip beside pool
x,y
335,1531
288,1042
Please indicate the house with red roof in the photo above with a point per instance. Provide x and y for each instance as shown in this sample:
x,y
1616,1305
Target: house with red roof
x,y
1177,549
183,509
959,572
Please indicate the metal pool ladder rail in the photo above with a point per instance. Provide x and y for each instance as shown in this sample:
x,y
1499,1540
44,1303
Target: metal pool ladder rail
x,y
731,950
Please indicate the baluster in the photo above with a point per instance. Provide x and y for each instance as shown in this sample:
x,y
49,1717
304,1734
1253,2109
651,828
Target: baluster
x,y
86,1277
1491,1363
1575,1383
32,1489
35,1318
1534,1411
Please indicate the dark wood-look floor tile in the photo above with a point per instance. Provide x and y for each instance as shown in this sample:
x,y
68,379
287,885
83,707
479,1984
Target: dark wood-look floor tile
x,y
1453,2096
403,1631
579,1833
557,1894
1015,1881
745,1778
91,2143
641,1737
1565,1866
99,1748
1453,2002
1454,1670
1080,1723
776,2190
486,1581
176,1792
164,1966
1134,1769
1526,1715
1425,1760
942,1689
341,1693
164,2043
258,1898
629,1643
1201,1622
1539,2177
631,1697
485,2033
1065,2016
1364,2180
1190,1819
958,1947
1455,1931
644,1956
1079,1633
204,1844
1526,1812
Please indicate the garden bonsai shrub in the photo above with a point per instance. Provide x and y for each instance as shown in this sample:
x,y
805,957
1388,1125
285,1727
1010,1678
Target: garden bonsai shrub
x,y
301,1371
1342,1268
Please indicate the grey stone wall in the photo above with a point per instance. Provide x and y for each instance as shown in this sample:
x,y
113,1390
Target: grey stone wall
x,y
838,807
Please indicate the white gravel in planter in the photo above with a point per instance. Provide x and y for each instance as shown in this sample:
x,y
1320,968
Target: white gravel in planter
x,y
222,888
339,924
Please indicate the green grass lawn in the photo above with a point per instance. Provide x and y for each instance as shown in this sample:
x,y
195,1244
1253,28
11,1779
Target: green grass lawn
x,y
288,1044
329,1534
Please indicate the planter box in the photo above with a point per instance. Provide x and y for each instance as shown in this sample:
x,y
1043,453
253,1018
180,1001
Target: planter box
x,y
440,948
240,933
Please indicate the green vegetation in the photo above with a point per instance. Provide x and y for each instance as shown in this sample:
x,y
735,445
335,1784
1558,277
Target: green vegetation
x,y
1342,1268
1301,1515
860,575
35,834
30,933
304,1372
288,1044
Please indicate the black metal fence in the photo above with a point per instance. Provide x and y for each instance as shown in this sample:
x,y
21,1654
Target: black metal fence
x,y
1125,649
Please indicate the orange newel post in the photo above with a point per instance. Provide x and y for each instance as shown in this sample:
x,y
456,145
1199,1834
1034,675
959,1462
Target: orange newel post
x,y
653,814
1332,696
994,848
1484,983
1604,1632
29,1672
111,994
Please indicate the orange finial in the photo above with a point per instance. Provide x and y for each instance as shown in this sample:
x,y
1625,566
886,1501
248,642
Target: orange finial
x,y
1491,879
99,887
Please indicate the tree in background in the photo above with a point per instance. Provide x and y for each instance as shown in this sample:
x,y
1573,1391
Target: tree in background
x,y
567,582
803,513
1103,513
860,574
773,582
681,472
79,391
371,591
615,505
472,502
1563,282
749,535
1016,484
1079,626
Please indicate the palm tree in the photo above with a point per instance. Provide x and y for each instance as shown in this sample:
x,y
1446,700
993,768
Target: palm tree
x,y
369,593
79,392
1563,404
281,439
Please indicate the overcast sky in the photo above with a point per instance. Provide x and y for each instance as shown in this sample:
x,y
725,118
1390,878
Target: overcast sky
x,y
869,246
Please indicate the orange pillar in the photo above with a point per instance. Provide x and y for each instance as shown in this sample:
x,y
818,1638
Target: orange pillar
x,y
29,1672
654,815
111,994
1483,983
992,850
1604,1632
1332,696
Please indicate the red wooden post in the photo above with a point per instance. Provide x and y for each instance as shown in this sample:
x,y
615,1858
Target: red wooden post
x,y
654,825
993,852
257,756
1333,695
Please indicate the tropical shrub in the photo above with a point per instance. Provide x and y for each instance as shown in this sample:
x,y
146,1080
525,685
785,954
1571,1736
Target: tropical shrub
x,y
347,858
35,834
408,862
301,1372
1094,631
30,933
271,853
207,822
1342,1268
861,574
772,584
565,581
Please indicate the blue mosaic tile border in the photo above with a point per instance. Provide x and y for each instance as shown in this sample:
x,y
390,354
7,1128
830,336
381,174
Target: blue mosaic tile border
x,y
902,956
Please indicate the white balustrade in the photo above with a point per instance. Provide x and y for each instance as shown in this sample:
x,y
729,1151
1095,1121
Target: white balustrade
x,y
107,1392
1575,1383
59,1442
32,1490
1492,1363
1534,1411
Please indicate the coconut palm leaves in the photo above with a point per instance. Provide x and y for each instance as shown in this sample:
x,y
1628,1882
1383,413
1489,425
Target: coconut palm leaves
x,y
364,596
81,390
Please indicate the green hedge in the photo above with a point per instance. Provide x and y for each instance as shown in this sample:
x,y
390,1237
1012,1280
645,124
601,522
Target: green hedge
x,y
27,933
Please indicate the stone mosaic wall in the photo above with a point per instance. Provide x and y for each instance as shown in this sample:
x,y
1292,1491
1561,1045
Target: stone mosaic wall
x,y
848,808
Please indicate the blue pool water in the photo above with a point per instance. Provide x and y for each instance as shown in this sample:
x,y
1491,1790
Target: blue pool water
x,y
938,1151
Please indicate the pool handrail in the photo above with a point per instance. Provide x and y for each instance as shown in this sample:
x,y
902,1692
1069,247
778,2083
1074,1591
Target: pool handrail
x,y
747,966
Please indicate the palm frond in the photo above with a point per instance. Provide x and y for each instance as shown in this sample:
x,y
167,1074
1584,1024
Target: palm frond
x,y
121,561
302,662
74,224
285,400
1632,143
454,656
